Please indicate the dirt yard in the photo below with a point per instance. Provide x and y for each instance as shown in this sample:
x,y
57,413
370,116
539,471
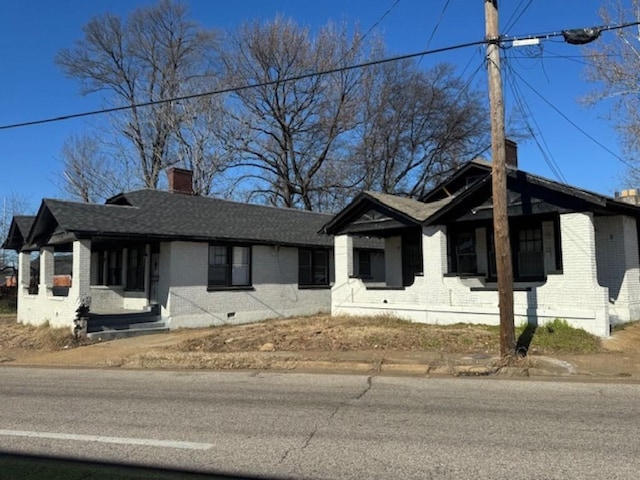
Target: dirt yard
x,y
283,344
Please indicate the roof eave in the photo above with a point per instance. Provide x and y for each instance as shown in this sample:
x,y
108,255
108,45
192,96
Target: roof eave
x,y
333,227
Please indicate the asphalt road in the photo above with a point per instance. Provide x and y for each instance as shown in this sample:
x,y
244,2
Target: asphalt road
x,y
320,426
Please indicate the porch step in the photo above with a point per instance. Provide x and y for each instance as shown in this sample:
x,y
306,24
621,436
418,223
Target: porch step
x,y
104,332
117,320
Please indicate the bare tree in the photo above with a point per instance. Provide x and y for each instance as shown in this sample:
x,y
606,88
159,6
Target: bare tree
x,y
203,143
614,62
287,131
155,55
417,127
89,175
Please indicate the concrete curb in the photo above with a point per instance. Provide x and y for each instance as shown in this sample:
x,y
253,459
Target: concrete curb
x,y
426,364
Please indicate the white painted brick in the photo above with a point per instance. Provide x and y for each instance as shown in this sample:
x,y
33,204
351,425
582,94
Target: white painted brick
x,y
275,290
573,295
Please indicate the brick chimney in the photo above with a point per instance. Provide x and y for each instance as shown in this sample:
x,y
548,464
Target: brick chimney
x,y
180,180
511,153
631,196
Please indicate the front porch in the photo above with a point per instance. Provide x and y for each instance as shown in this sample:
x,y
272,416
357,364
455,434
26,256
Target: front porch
x,y
126,323
119,281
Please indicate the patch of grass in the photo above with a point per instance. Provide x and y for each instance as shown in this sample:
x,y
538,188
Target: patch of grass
x,y
431,344
559,337
383,321
42,337
47,338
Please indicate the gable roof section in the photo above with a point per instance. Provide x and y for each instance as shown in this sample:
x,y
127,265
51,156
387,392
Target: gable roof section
x,y
526,185
529,194
458,197
373,212
154,214
18,231
462,179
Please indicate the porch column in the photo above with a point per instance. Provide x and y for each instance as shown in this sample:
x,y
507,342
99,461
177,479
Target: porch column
x,y
46,271
81,272
393,261
579,248
24,270
343,259
434,257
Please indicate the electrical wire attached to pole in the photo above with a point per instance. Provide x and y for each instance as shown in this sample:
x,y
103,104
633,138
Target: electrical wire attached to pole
x,y
574,36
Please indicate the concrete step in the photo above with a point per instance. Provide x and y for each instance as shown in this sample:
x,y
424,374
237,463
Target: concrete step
x,y
131,332
117,319
122,324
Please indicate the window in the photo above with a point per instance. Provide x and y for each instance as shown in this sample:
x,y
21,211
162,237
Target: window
x,y
110,267
313,267
229,266
114,267
364,263
109,263
412,262
527,249
464,249
135,268
530,259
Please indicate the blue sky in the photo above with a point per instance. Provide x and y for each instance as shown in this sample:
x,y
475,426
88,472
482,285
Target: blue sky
x,y
33,88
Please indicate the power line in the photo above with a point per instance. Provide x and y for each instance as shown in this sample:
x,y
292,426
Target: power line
x,y
382,17
241,87
549,55
512,22
536,132
576,126
563,33
499,41
437,25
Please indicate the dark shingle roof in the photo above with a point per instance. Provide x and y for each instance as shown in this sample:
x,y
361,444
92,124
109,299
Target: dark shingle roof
x,y
24,223
18,231
413,209
155,213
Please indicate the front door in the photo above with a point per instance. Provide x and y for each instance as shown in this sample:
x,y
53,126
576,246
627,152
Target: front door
x,y
154,275
411,256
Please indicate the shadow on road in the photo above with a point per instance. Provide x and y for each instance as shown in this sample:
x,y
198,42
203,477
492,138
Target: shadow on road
x,y
32,467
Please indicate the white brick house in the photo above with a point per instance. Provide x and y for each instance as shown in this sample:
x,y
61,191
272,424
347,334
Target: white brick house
x,y
575,254
195,261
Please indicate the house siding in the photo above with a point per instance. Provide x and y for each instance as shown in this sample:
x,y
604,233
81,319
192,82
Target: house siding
x,y
274,291
573,295
618,265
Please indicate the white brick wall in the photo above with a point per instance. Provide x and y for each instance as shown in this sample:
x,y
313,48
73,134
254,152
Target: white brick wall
x,y
618,265
44,307
275,291
106,299
573,295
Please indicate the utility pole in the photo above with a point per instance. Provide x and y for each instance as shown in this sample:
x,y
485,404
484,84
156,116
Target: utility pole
x,y
502,244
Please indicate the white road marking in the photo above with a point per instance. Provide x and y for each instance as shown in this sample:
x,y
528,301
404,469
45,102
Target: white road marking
x,y
147,442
